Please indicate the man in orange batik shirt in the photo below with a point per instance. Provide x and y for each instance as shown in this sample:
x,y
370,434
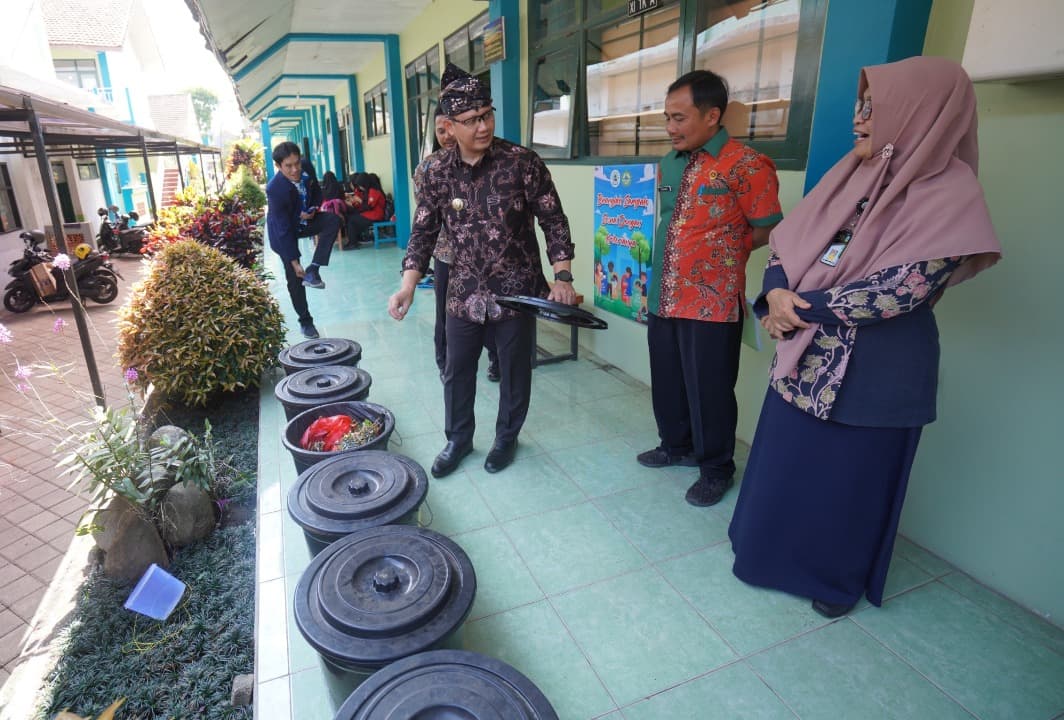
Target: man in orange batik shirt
x,y
718,200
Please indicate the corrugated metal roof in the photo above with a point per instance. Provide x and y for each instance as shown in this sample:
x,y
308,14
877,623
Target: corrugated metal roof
x,y
87,23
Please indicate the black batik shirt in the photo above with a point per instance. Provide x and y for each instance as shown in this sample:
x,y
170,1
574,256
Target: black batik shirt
x,y
487,210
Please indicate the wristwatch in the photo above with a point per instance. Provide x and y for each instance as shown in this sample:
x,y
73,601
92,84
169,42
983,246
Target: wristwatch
x,y
564,276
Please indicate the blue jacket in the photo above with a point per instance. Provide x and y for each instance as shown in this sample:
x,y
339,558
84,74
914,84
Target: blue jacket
x,y
283,204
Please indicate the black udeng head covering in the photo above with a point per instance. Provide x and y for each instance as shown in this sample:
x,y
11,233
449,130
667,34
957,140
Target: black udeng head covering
x,y
462,92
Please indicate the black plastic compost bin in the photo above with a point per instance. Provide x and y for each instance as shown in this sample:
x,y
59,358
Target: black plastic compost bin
x,y
321,385
322,351
357,409
447,685
354,491
383,594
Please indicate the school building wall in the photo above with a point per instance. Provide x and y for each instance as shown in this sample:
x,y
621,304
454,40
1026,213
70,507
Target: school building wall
x,y
985,492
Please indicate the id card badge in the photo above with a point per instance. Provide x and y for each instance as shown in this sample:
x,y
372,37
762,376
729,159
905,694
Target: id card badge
x,y
833,254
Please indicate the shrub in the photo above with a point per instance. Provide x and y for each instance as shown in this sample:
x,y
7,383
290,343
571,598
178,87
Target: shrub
x,y
198,324
225,224
243,187
249,153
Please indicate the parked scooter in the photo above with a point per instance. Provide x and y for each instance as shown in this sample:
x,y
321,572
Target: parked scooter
x,y
96,276
121,236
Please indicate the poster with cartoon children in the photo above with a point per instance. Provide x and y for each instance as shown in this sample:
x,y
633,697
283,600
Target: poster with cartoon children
x,y
624,238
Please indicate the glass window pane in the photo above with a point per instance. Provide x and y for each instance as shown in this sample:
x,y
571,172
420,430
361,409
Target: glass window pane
x,y
476,43
553,80
555,18
629,66
456,49
594,7
753,45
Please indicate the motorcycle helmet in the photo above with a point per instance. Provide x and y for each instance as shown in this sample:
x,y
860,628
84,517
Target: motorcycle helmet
x,y
82,250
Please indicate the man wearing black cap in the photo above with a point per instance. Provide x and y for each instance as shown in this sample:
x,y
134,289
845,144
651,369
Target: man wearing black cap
x,y
485,191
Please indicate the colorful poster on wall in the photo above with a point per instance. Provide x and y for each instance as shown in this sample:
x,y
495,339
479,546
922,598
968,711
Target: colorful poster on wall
x,y
624,237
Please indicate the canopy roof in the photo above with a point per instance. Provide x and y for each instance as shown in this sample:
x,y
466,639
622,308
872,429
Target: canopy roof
x,y
72,132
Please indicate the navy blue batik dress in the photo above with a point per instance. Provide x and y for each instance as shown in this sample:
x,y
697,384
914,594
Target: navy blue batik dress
x,y
820,501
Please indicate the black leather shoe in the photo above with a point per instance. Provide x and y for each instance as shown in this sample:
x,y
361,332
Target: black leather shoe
x,y
449,458
658,458
501,455
493,372
830,610
708,491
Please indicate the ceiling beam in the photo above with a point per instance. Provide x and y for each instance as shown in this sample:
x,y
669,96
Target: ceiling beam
x,y
306,37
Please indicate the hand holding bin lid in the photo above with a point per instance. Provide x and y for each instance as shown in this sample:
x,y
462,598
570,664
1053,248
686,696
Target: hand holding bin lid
x,y
354,491
554,311
320,351
447,684
321,385
383,593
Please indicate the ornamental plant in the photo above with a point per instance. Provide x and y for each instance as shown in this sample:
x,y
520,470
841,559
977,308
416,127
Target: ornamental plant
x,y
199,324
225,223
247,153
242,186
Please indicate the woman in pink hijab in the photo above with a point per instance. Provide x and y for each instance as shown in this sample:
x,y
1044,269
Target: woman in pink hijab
x,y
848,293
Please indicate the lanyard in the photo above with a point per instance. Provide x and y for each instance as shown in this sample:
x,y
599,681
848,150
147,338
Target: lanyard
x,y
841,240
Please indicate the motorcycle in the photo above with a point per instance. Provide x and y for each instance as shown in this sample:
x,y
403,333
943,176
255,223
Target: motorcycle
x,y
122,235
96,277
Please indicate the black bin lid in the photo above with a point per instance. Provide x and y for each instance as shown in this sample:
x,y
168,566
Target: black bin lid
x,y
383,593
322,384
352,491
321,351
554,311
447,685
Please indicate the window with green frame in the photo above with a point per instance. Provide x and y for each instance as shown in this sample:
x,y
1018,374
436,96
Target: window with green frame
x,y
375,103
9,217
422,93
465,47
598,77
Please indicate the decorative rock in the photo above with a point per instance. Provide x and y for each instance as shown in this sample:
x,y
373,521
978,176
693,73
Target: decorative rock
x,y
164,478
166,435
110,518
186,515
135,545
243,690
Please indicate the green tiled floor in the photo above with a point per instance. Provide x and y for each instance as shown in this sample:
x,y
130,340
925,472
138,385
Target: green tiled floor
x,y
600,584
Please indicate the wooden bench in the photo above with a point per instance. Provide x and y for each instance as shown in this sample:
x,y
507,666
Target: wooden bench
x,y
540,356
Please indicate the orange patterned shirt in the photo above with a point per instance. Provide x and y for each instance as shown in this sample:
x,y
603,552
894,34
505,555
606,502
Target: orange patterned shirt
x,y
711,200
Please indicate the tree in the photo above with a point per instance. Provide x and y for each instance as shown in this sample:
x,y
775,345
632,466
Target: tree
x,y
602,242
641,249
204,101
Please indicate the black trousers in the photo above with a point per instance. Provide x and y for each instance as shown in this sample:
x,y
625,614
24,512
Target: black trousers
x,y
693,368
326,226
513,342
441,274
356,226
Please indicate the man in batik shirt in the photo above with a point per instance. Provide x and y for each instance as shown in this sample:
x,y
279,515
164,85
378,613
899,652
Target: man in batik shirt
x,y
485,192
718,200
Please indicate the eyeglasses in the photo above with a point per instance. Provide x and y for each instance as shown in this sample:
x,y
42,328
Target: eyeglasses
x,y
484,117
863,107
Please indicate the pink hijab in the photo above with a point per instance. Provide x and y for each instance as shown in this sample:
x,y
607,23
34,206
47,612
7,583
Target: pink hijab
x,y
925,202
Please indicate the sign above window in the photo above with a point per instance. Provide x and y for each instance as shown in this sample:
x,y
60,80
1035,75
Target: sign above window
x,y
494,40
638,7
